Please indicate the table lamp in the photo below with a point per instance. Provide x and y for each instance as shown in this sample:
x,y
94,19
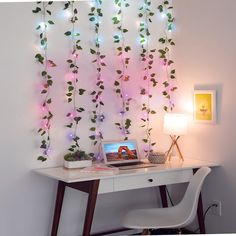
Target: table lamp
x,y
175,125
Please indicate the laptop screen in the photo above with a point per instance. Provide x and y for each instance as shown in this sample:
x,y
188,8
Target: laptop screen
x,y
115,152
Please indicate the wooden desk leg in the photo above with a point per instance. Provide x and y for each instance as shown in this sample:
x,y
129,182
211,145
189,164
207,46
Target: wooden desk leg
x,y
92,198
164,201
200,214
58,206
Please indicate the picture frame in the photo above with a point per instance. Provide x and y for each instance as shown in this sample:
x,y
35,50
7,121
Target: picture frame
x,y
204,106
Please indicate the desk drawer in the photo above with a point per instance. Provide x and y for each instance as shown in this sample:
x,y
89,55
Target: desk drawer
x,y
105,186
151,180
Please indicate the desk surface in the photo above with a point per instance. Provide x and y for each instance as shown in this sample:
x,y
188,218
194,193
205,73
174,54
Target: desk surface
x,y
75,175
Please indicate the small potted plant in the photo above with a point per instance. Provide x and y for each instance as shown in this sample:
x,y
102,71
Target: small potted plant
x,y
77,159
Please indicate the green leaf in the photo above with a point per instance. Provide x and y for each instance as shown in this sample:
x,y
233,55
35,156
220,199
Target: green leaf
x,y
92,129
51,22
49,82
81,91
38,9
49,101
42,158
67,33
92,137
92,51
44,73
70,88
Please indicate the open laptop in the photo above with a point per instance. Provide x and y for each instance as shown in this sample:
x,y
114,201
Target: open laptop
x,y
123,154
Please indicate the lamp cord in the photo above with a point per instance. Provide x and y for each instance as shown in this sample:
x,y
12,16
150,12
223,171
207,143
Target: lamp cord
x,y
205,214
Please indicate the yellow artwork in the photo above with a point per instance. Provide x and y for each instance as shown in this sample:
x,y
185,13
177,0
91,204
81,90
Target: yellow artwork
x,y
204,106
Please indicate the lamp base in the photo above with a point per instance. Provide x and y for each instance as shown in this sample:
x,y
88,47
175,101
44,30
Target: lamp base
x,y
174,143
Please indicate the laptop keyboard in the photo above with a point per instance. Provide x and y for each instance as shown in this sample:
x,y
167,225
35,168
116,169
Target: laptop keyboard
x,y
133,165
127,164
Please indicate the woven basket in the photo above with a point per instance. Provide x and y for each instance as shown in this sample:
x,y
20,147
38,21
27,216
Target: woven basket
x,y
157,157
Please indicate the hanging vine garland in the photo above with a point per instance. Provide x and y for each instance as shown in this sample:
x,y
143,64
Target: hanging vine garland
x,y
164,53
147,57
47,81
97,115
73,89
122,50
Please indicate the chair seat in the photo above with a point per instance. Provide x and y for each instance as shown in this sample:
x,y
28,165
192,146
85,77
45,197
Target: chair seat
x,y
172,217
156,218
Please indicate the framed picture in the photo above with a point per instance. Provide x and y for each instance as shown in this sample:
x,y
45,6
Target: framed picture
x,y
205,106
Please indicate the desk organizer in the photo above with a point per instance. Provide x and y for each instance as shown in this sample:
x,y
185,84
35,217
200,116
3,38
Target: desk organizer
x,y
157,157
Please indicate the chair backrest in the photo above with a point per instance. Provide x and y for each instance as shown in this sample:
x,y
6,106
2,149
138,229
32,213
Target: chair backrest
x,y
188,206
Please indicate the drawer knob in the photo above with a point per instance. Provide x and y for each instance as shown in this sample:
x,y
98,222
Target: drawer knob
x,y
150,180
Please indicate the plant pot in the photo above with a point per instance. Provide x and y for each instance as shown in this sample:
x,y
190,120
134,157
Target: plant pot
x,y
77,164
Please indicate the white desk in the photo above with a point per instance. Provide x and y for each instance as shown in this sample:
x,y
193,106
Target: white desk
x,y
98,183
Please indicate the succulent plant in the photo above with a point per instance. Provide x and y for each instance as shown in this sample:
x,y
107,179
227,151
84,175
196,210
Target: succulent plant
x,y
78,155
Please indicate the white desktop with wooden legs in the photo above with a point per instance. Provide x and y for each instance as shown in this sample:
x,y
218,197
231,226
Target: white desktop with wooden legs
x,y
98,183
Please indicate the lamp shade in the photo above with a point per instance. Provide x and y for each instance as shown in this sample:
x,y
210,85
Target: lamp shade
x,y
175,124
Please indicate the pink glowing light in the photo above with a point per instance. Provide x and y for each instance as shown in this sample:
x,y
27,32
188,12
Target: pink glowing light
x,y
75,55
70,76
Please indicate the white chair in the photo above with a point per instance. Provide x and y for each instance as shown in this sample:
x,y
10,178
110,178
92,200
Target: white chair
x,y
177,216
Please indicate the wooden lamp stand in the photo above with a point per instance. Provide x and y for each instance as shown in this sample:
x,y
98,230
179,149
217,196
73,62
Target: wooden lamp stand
x,y
172,146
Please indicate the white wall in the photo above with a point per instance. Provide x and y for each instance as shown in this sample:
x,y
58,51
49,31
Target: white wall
x,y
26,199
205,58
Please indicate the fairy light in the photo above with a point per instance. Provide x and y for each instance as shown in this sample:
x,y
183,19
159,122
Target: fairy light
x,y
43,26
163,15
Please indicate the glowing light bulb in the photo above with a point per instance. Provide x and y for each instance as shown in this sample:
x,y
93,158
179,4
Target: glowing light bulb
x,y
43,108
71,136
43,25
163,15
67,13
122,113
98,40
101,118
75,55
70,76
91,3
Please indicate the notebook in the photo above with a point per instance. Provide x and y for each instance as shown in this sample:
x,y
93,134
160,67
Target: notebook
x,y
123,154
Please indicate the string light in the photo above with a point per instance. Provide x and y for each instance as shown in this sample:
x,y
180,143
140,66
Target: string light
x,y
46,79
164,55
97,117
122,53
73,89
146,56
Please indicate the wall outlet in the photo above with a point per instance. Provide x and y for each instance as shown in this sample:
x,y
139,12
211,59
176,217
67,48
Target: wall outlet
x,y
216,209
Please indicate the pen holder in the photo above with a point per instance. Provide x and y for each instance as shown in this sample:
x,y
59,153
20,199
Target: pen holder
x,y
157,157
